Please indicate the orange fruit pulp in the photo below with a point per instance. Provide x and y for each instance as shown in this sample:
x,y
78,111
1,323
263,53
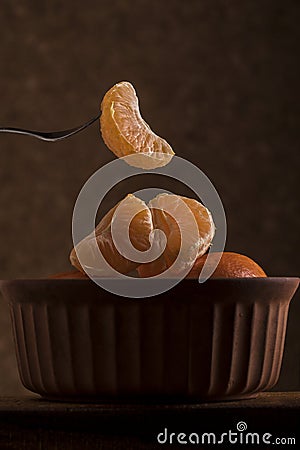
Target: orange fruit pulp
x,y
125,132
75,274
170,213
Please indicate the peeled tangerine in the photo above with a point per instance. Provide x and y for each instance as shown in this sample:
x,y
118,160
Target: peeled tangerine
x,y
170,213
125,132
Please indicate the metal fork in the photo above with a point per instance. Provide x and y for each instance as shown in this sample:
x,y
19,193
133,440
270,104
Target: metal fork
x,y
51,136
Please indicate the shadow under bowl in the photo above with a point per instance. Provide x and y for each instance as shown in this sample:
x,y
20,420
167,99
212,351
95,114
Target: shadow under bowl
x,y
219,340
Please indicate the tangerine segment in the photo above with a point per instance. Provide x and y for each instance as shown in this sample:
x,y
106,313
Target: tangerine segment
x,y
139,231
231,265
170,215
75,274
125,132
153,268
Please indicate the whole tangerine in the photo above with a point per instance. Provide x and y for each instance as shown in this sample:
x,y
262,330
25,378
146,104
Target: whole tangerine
x,y
231,265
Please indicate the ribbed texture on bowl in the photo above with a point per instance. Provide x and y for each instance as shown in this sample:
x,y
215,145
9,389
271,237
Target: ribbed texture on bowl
x,y
212,341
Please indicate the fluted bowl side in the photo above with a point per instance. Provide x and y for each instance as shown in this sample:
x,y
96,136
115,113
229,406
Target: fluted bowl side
x,y
223,339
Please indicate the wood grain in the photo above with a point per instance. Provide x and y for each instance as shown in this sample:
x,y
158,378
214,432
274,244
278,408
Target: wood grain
x,y
33,423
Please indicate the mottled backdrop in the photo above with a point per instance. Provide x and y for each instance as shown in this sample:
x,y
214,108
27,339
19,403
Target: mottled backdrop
x,y
218,79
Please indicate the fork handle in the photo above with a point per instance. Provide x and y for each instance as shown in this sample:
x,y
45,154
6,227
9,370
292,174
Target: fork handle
x,y
50,136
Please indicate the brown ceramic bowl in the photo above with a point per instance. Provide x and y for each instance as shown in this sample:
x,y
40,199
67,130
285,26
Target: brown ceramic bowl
x,y
220,340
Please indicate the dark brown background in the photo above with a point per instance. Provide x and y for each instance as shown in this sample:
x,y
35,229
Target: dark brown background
x,y
218,79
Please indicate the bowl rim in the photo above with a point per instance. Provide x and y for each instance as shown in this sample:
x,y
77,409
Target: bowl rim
x,y
80,282
277,289
210,280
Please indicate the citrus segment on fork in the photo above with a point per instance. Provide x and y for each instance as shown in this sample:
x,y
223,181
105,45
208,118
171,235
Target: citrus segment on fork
x,y
125,132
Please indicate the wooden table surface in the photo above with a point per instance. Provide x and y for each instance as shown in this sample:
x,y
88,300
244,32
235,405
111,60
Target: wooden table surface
x,y
33,423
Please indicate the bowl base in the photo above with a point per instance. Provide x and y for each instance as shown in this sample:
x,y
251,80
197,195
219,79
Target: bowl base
x,y
100,399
